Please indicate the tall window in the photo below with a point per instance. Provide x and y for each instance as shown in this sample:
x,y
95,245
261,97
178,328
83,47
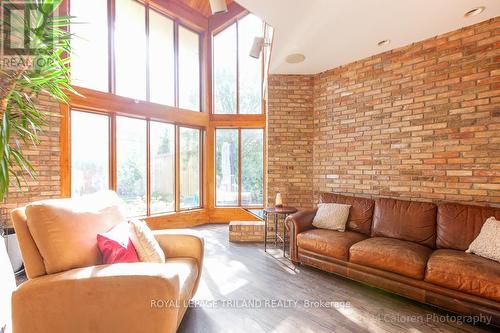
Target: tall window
x,y
224,69
227,178
89,60
130,49
148,49
237,77
239,167
131,164
90,157
161,59
162,152
189,165
189,69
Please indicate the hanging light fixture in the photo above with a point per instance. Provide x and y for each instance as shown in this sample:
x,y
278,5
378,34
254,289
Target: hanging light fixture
x,y
218,6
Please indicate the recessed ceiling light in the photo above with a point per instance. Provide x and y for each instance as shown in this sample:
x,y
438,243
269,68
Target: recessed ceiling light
x,y
475,11
384,42
295,58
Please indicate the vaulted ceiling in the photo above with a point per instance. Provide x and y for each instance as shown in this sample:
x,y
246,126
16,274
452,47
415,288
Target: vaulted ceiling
x,y
331,33
201,6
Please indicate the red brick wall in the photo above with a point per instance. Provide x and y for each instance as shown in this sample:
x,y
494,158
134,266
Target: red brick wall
x,y
45,158
419,122
289,135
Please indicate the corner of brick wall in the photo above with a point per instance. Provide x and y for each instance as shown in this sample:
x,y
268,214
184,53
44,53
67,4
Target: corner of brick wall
x,y
290,139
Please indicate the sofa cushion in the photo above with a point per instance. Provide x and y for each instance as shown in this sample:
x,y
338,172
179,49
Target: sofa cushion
x,y
393,255
360,214
65,230
332,216
406,220
465,272
330,243
458,225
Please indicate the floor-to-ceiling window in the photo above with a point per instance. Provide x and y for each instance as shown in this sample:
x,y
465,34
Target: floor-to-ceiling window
x,y
237,90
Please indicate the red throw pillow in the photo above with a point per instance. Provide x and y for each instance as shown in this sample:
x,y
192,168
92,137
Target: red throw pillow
x,y
116,246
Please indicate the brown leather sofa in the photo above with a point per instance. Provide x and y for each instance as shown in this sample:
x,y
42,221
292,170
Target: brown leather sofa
x,y
414,249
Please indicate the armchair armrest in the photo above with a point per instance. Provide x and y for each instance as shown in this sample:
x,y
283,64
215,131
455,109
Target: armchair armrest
x,y
182,243
106,298
297,223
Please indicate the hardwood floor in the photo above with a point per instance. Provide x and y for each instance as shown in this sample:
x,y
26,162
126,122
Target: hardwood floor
x,y
235,275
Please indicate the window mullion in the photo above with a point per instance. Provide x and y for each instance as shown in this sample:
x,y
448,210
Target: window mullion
x,y
176,64
148,74
111,47
148,167
239,167
237,68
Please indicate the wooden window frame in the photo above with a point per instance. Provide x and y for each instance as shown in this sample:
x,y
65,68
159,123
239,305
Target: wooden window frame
x,y
214,33
239,204
177,22
113,158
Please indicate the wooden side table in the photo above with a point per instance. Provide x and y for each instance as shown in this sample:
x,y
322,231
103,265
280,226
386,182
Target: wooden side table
x,y
276,215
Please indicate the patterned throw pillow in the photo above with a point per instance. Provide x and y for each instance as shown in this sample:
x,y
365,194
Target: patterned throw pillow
x,y
145,243
487,243
331,216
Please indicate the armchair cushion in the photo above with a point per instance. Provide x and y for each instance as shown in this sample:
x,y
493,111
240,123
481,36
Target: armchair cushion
x,y
65,230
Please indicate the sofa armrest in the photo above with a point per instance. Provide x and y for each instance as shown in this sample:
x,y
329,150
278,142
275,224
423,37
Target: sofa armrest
x,y
105,298
182,243
297,223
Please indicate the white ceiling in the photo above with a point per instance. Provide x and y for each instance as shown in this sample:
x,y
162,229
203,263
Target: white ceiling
x,y
331,33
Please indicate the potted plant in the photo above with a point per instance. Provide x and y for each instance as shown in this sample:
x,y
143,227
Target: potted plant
x,y
39,66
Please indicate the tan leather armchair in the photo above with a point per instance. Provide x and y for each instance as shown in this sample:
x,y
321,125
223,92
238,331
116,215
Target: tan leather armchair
x,y
136,297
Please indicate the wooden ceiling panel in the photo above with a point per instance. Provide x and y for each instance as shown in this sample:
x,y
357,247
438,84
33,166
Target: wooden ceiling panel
x,y
202,6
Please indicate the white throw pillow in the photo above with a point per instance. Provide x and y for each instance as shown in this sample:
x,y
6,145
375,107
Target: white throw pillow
x,y
147,247
331,216
487,243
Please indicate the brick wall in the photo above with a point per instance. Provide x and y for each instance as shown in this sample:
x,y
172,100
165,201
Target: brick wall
x,y
419,122
289,135
45,158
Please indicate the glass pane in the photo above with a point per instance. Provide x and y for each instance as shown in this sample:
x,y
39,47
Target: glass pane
x,y
189,69
89,153
226,167
161,59
89,56
189,145
162,167
252,167
250,71
131,164
130,49
225,71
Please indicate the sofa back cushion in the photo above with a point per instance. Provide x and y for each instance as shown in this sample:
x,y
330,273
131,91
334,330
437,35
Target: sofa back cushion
x,y
65,230
458,225
360,214
406,220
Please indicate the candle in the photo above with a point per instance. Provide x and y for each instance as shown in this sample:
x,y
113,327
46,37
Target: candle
x,y
279,201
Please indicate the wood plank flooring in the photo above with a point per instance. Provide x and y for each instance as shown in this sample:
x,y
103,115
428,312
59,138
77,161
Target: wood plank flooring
x,y
244,289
